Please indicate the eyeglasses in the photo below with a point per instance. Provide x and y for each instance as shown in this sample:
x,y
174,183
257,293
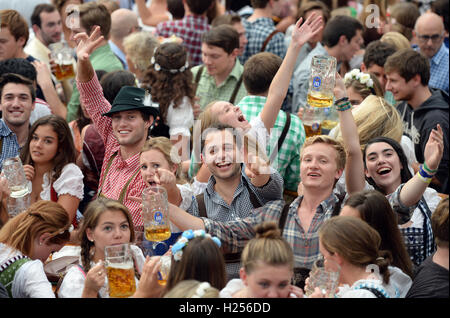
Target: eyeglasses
x,y
425,38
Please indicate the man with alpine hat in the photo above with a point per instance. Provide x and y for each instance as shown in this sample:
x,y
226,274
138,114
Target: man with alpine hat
x,y
123,126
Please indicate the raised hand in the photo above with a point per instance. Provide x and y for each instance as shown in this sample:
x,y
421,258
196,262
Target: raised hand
x,y
339,87
434,148
87,44
302,33
164,177
255,166
95,279
148,284
29,172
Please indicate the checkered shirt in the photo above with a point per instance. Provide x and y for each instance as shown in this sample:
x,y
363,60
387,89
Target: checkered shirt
x,y
287,161
235,234
208,91
420,241
241,206
439,69
190,28
10,145
257,32
91,95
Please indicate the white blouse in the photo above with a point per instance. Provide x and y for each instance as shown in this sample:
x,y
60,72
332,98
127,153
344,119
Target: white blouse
x,y
73,283
30,280
181,118
69,182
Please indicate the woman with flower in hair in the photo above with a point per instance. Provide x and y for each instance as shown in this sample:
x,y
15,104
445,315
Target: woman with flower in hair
x,y
170,83
359,85
197,255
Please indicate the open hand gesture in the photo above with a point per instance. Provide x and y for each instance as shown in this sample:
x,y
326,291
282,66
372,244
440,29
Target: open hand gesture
x,y
339,87
87,44
434,148
302,33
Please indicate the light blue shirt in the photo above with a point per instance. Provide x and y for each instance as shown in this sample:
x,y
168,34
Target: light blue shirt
x,y
10,147
120,55
439,69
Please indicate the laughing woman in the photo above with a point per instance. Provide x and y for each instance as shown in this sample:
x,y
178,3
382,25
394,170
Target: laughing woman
x,y
49,162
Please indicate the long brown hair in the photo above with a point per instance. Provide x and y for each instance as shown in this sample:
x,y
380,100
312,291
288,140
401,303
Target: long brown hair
x,y
356,242
202,260
66,149
41,217
376,210
172,81
91,216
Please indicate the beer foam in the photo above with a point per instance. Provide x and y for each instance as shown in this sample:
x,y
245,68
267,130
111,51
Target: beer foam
x,y
126,266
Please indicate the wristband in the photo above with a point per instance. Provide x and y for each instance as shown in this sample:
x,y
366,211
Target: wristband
x,y
426,180
424,173
430,171
343,99
343,106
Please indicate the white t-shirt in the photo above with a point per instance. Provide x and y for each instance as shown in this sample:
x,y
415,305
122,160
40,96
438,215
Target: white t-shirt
x,y
30,280
181,118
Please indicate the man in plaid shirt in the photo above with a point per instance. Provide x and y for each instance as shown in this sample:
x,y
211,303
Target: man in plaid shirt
x,y
259,26
258,74
190,28
123,128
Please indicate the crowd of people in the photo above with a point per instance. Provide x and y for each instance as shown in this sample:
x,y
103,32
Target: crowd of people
x,y
208,99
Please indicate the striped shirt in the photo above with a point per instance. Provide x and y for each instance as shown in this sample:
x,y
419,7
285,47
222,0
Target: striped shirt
x,y
120,171
190,28
10,146
287,161
257,32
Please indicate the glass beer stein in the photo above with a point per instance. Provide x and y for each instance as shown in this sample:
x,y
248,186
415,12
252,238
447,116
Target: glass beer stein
x,y
61,53
120,270
20,197
318,113
155,212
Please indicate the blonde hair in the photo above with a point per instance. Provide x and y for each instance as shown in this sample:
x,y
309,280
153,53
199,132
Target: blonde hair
x,y
41,217
165,147
396,39
139,48
189,289
375,117
268,247
337,145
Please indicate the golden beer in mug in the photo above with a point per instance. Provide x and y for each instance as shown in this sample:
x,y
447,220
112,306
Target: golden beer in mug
x,y
63,71
319,100
313,129
120,270
121,280
158,233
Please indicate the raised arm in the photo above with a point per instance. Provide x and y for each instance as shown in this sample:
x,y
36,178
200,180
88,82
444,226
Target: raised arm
x,y
85,46
354,166
413,190
280,83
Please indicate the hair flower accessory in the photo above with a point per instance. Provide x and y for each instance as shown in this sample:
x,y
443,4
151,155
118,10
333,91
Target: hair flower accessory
x,y
186,236
363,78
201,290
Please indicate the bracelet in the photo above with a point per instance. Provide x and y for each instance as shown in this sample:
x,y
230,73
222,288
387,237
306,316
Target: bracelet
x,y
430,171
344,106
424,173
341,100
426,180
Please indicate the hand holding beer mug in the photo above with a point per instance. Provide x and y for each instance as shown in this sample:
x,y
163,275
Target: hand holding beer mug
x,y
155,212
20,196
163,274
120,270
61,53
325,276
319,101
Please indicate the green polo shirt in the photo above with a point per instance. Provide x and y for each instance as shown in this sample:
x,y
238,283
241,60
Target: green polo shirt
x,y
208,91
101,59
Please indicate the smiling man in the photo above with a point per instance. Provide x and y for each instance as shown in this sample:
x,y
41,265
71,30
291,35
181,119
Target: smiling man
x,y
220,75
422,107
232,191
122,126
17,96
